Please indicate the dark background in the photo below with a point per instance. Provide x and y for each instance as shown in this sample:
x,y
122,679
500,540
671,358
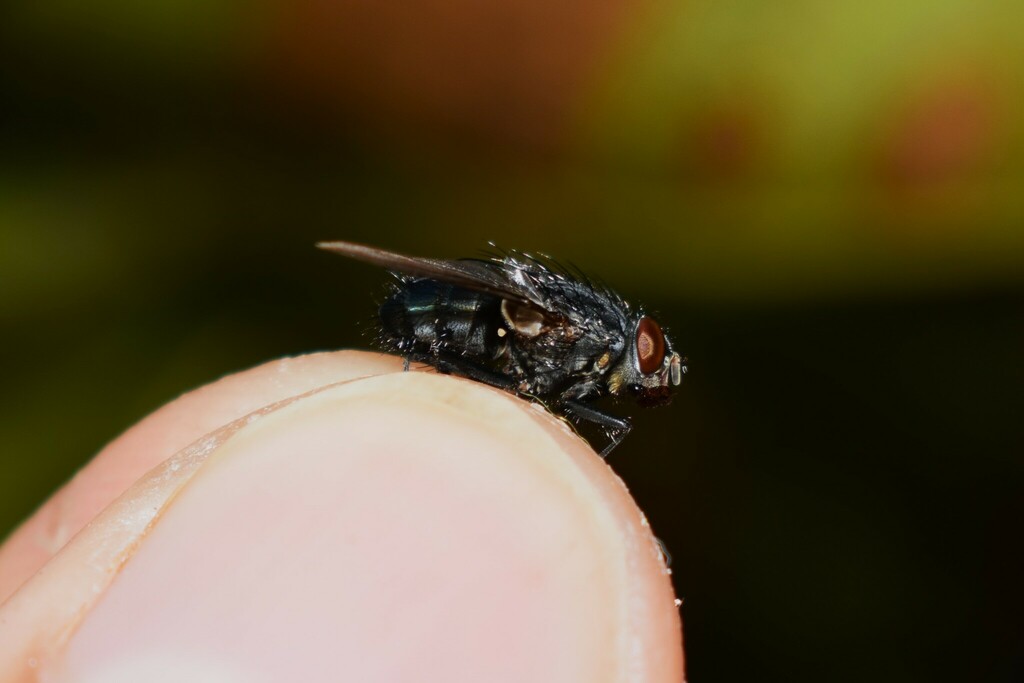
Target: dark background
x,y
823,201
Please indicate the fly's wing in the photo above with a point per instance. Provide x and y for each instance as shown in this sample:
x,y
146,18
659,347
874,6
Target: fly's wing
x,y
488,277
539,299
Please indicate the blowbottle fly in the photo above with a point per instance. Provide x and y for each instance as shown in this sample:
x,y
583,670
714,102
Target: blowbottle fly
x,y
528,326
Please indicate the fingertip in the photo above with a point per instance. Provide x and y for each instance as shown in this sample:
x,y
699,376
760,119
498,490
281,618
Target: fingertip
x,y
409,526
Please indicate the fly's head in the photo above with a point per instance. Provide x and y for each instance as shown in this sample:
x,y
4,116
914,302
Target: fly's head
x,y
649,368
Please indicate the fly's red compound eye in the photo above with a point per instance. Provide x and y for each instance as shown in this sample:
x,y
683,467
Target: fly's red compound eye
x,y
650,346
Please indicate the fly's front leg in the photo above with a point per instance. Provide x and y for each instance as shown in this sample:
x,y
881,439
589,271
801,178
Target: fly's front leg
x,y
617,428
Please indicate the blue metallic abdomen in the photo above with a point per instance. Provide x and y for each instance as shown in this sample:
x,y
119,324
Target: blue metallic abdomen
x,y
424,316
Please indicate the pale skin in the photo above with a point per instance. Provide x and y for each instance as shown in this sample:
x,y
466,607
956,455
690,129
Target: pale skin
x,y
330,517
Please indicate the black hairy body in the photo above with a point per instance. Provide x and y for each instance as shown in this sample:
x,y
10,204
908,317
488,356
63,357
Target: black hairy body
x,y
527,326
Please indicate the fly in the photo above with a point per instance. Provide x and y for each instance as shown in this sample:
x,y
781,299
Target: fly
x,y
526,325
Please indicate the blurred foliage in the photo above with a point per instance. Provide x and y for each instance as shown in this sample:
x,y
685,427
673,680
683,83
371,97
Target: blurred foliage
x,y
823,200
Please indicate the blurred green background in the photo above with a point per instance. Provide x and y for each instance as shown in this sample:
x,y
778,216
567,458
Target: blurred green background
x,y
823,200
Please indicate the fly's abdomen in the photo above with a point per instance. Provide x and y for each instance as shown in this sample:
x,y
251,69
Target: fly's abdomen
x,y
427,315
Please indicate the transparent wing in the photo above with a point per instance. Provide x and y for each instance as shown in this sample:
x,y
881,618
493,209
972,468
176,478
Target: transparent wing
x,y
488,277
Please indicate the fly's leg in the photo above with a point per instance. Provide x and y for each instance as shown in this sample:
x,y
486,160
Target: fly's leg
x,y
457,365
617,428
454,364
